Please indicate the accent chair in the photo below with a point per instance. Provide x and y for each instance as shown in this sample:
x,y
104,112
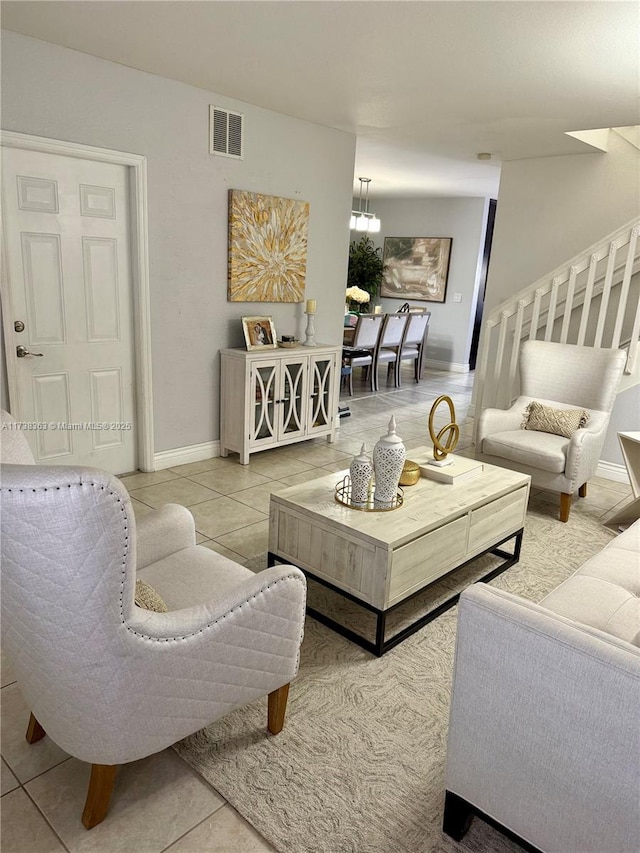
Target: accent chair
x,y
560,377
109,681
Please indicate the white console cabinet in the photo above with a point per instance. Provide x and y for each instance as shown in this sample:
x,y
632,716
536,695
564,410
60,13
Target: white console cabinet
x,y
277,397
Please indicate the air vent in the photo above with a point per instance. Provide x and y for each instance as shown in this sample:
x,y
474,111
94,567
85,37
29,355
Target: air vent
x,y
225,132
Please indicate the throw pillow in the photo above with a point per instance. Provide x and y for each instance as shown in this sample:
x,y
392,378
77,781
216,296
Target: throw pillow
x,y
562,422
147,598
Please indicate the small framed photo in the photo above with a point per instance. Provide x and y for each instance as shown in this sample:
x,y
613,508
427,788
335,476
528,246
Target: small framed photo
x,y
259,333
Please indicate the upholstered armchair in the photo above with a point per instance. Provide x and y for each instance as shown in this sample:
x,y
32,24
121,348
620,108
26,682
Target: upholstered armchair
x,y
111,682
562,377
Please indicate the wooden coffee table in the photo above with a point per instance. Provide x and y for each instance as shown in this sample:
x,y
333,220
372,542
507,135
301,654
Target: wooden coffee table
x,y
381,559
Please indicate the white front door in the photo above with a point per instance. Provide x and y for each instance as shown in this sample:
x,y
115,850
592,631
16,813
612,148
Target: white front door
x,y
69,285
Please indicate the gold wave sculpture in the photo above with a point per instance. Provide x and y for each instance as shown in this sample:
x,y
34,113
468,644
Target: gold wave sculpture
x,y
452,430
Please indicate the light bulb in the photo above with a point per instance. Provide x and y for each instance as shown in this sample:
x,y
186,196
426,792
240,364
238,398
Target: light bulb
x,y
361,223
352,222
374,225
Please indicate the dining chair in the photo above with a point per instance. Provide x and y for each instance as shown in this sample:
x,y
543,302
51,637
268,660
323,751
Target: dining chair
x,y
387,351
414,344
366,337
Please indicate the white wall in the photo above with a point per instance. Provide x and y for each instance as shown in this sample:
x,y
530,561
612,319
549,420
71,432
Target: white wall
x,y
463,219
550,209
51,91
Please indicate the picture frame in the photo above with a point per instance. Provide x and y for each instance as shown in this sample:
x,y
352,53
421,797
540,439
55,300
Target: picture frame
x,y
416,268
259,333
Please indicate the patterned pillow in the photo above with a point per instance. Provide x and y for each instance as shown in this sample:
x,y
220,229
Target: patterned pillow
x,y
147,598
556,421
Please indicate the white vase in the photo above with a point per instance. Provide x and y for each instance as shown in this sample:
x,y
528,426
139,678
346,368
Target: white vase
x,y
389,455
361,471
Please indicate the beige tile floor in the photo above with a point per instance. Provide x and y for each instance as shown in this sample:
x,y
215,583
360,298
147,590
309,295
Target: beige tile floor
x,y
159,803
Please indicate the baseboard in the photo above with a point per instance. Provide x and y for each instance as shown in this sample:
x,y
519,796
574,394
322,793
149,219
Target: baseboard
x,y
612,471
184,455
450,366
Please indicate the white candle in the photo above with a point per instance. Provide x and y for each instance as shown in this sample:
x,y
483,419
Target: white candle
x,y
377,309
311,306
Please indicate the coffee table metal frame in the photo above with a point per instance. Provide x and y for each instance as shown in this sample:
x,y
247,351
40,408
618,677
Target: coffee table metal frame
x,y
382,646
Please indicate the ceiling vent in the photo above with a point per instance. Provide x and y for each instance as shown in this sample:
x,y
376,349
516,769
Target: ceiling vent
x,y
226,131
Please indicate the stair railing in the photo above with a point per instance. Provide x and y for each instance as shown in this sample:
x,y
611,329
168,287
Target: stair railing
x,y
591,300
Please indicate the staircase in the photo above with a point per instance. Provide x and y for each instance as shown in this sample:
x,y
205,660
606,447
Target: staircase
x,y
592,300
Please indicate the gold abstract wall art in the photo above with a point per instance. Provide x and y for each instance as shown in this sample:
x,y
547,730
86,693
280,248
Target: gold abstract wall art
x,y
267,248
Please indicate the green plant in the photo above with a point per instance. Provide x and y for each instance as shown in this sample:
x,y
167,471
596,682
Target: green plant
x,y
365,266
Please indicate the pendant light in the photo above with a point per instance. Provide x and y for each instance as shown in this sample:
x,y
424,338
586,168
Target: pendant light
x,y
362,219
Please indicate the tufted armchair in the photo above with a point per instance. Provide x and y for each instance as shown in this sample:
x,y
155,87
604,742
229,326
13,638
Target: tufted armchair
x,y
111,682
561,376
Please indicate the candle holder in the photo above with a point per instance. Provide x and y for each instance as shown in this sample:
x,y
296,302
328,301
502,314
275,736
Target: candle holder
x,y
310,331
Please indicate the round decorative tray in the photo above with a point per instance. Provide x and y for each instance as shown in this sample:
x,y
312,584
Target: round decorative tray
x,y
343,496
288,344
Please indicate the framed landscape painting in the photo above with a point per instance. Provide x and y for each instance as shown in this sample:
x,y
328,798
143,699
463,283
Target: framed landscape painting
x,y
416,268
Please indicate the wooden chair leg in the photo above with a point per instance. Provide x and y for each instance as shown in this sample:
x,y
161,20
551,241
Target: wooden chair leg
x,y
98,799
582,491
565,506
35,732
277,709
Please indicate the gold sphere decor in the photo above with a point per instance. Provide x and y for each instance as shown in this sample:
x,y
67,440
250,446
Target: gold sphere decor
x,y
440,451
410,473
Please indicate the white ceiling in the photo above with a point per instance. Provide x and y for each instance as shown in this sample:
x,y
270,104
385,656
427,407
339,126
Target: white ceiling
x,y
424,84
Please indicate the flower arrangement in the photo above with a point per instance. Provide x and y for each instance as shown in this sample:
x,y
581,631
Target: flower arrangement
x,y
356,297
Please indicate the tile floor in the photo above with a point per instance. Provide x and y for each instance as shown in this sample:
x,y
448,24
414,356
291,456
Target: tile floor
x,y
159,803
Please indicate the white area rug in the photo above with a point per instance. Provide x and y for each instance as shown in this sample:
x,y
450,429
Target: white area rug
x,y
359,766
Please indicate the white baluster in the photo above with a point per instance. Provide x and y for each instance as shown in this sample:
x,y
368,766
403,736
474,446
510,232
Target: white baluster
x,y
588,296
606,292
633,346
515,349
502,339
551,315
568,305
535,317
624,290
480,383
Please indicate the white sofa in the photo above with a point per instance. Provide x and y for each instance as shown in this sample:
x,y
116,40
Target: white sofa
x,y
544,736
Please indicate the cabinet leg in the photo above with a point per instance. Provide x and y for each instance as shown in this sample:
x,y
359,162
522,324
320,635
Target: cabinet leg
x,y
244,457
224,452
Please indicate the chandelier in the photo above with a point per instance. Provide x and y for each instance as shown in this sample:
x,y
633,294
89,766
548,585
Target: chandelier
x,y
362,219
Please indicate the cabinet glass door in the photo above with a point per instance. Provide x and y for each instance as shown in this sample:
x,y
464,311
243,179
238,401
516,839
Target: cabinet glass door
x,y
322,402
263,396
292,402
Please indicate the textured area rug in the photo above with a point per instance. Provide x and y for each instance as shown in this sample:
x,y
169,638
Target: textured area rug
x,y
359,766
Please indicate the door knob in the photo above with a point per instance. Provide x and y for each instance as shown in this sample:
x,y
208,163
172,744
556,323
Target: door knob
x,y
22,352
